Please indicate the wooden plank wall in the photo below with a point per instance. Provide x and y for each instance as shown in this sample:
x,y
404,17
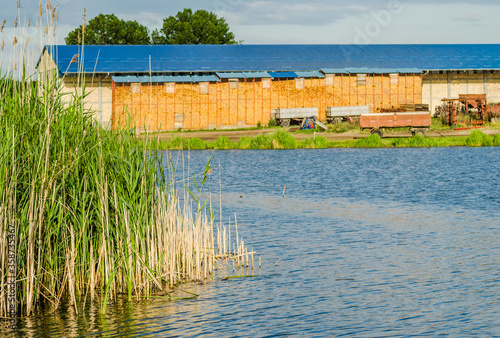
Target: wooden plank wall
x,y
245,102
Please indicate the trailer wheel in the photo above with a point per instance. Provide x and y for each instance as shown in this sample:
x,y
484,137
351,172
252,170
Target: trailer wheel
x,y
285,123
420,132
377,131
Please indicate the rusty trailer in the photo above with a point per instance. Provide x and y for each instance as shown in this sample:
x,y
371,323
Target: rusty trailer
x,y
418,122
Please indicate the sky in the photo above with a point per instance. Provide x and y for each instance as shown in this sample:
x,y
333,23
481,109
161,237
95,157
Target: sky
x,y
278,21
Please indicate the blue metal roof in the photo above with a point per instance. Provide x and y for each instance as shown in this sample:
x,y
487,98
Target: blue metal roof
x,y
314,73
178,78
408,70
231,75
282,75
389,71
205,78
334,70
148,79
360,71
125,79
123,59
257,75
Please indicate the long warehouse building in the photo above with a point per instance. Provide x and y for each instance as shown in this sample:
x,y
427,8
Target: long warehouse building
x,y
167,87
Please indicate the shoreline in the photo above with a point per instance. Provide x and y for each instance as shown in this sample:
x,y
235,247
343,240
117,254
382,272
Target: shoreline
x,y
279,138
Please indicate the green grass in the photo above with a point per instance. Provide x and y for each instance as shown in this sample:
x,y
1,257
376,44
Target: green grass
x,y
372,141
282,139
496,140
343,127
478,139
222,143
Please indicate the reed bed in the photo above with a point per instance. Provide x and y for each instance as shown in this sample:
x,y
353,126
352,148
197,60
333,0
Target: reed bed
x,y
88,214
94,212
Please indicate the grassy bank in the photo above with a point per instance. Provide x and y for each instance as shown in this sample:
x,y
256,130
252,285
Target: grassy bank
x,y
282,139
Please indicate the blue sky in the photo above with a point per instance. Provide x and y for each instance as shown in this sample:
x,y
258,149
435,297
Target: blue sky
x,y
286,21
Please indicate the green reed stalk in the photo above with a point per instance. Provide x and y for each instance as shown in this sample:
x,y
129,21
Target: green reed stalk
x,y
95,215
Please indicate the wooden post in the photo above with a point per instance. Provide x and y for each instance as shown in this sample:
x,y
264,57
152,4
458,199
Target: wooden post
x,y
254,99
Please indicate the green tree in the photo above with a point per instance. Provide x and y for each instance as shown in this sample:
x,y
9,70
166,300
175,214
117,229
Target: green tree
x,y
107,29
200,27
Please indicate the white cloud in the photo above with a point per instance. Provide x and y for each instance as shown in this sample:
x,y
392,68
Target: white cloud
x,y
289,13
467,17
292,21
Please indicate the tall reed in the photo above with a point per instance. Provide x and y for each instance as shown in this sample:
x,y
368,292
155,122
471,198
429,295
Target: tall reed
x,y
93,211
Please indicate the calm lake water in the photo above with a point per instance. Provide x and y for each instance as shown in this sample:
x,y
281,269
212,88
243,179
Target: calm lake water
x,y
371,243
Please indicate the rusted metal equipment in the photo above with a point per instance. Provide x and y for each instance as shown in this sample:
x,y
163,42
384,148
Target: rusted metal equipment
x,y
406,108
471,109
417,122
311,123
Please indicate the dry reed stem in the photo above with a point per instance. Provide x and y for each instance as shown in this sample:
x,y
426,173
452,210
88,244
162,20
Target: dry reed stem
x,y
92,241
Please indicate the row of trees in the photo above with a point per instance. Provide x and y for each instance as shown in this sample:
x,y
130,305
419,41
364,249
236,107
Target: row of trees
x,y
200,27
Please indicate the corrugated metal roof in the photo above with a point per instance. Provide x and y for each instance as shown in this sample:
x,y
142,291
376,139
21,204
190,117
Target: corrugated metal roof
x,y
310,74
152,79
281,75
205,78
131,59
257,75
408,70
125,79
334,70
178,78
231,75
385,71
360,70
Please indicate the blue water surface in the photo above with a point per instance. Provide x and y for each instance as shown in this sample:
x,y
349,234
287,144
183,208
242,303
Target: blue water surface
x,y
364,243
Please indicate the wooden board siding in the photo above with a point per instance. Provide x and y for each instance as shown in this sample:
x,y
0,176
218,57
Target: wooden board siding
x,y
246,102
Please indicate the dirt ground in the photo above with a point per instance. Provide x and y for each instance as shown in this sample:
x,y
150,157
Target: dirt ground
x,y
235,135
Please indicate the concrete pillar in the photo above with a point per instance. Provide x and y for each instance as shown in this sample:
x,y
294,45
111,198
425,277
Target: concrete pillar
x,y
449,84
467,82
485,77
430,94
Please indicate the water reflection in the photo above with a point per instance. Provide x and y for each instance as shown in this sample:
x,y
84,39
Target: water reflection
x,y
383,242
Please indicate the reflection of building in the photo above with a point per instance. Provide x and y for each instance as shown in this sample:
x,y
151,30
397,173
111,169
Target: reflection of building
x,y
212,86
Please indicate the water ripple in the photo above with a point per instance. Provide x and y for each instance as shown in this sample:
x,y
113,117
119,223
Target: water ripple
x,y
366,243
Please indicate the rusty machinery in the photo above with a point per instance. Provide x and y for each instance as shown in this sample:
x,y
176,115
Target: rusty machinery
x,y
468,108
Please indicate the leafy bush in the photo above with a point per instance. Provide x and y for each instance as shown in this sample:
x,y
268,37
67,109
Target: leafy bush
x,y
176,143
195,143
419,141
222,143
260,142
372,141
478,139
282,139
244,143
496,140
316,142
